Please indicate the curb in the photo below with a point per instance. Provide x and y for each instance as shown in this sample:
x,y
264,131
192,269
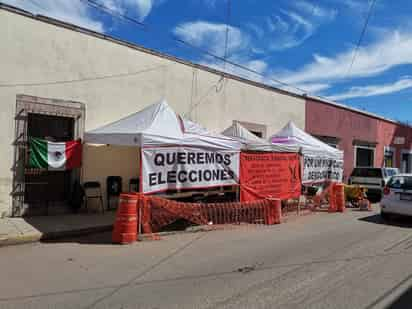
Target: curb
x,y
49,236
20,239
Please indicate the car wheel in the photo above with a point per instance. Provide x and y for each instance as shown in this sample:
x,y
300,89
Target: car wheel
x,y
385,216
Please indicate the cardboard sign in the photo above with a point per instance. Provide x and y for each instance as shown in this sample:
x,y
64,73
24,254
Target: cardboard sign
x,y
184,167
316,169
265,175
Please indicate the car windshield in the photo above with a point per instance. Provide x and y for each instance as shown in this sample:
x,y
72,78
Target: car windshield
x,y
391,172
401,182
367,172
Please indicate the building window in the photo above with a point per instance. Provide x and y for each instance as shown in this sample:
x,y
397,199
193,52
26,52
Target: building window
x,y
257,133
258,129
332,145
330,140
364,156
389,157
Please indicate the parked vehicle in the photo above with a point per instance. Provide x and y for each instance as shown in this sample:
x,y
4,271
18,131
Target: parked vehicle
x,y
397,198
373,179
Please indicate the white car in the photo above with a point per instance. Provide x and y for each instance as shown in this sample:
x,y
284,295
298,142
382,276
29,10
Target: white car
x,y
372,178
397,196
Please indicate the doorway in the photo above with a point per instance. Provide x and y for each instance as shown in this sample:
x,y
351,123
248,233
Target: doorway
x,y
406,162
42,185
364,156
38,191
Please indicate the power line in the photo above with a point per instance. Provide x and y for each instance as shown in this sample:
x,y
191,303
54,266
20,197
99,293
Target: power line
x,y
111,12
365,26
227,32
82,79
216,86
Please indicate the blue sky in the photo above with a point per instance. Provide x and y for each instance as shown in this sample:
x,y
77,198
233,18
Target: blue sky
x,y
308,44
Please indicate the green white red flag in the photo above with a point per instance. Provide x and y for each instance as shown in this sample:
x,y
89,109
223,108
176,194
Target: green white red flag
x,y
55,156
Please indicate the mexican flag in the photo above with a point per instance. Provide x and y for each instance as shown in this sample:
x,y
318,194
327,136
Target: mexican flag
x,y
55,156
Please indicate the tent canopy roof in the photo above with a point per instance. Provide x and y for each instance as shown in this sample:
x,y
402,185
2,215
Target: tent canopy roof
x,y
158,125
292,135
255,143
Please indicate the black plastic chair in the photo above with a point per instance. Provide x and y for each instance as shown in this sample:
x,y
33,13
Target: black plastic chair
x,y
134,185
93,190
113,188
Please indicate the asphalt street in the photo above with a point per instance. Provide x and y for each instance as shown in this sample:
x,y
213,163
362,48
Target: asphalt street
x,y
350,260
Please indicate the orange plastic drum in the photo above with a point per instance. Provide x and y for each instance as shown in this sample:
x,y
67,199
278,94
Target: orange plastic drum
x,y
339,191
332,198
125,226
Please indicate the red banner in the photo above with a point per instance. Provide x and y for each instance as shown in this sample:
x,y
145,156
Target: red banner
x,y
275,175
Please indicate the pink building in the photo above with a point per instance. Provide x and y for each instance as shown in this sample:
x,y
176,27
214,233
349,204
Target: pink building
x,y
365,138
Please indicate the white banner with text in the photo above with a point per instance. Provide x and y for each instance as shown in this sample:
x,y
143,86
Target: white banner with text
x,y
317,169
167,168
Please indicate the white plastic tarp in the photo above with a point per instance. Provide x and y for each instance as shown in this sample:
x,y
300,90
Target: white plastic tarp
x,y
158,125
321,161
254,143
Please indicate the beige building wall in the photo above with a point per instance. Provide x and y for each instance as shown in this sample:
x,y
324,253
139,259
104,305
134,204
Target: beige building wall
x,y
57,62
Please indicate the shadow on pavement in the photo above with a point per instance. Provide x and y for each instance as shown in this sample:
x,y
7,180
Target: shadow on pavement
x,y
400,221
104,238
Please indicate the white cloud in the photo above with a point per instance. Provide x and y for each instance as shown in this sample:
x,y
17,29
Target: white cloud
x,y
112,5
287,30
257,31
143,7
292,27
212,36
315,10
374,90
210,3
313,88
79,13
355,5
300,20
259,66
75,12
389,51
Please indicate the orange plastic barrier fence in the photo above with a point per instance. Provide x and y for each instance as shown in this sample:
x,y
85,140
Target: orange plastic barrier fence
x,y
125,226
158,212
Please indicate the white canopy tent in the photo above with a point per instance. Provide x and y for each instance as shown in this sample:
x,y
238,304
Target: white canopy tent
x,y
292,135
321,161
175,153
254,143
159,125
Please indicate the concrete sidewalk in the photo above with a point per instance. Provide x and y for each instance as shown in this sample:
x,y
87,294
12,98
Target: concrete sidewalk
x,y
15,231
